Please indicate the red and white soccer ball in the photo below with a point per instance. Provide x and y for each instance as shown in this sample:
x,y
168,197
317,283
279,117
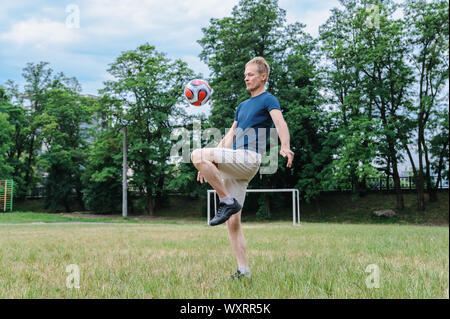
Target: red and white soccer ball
x,y
197,92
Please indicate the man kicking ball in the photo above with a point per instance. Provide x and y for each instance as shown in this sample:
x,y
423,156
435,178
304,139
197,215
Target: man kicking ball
x,y
230,166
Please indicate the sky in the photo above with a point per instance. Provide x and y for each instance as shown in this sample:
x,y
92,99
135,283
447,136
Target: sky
x,y
81,38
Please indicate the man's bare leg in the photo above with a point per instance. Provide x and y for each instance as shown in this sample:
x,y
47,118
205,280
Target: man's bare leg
x,y
204,161
237,239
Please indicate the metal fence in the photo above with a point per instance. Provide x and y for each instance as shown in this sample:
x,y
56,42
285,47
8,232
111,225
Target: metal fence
x,y
383,183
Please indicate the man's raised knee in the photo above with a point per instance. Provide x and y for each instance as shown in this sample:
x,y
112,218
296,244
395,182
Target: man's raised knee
x,y
203,154
196,155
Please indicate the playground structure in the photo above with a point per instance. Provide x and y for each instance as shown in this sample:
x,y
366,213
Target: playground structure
x,y
6,195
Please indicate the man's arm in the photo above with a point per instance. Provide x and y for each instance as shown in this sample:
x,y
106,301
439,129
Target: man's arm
x,y
283,134
227,141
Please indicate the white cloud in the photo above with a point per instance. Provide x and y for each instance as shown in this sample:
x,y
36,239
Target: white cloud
x,y
40,33
312,19
195,64
172,19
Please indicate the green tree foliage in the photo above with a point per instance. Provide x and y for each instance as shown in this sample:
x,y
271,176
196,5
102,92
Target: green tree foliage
x,y
38,81
387,82
102,178
439,148
428,34
19,139
148,87
25,108
62,123
371,80
353,116
6,131
255,28
310,124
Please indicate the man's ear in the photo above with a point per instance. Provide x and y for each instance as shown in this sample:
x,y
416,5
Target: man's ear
x,y
264,77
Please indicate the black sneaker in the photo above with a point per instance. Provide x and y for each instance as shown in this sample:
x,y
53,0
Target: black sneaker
x,y
224,212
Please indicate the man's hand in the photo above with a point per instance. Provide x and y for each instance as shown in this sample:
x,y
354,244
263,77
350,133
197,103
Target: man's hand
x,y
200,178
283,133
227,141
286,152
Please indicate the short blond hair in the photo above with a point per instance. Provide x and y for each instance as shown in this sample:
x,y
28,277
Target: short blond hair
x,y
263,66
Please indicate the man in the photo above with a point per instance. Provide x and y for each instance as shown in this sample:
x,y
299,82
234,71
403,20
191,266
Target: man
x,y
236,160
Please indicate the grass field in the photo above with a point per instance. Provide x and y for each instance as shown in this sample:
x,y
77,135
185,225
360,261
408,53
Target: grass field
x,y
143,260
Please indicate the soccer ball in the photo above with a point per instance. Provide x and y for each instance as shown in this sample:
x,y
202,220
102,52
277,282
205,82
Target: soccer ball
x,y
197,92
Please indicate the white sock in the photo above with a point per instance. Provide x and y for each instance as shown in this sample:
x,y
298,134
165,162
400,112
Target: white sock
x,y
227,200
245,271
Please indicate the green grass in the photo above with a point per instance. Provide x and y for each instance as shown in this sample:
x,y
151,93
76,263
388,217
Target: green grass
x,y
32,217
142,260
81,217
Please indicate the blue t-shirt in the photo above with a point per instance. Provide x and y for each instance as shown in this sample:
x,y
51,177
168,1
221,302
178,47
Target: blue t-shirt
x,y
255,122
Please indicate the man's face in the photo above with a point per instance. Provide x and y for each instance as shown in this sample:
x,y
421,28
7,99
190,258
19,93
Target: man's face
x,y
253,79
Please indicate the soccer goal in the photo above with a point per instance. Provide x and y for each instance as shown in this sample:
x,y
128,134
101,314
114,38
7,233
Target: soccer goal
x,y
6,195
295,201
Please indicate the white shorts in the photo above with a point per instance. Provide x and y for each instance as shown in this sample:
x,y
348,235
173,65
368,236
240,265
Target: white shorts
x,y
237,167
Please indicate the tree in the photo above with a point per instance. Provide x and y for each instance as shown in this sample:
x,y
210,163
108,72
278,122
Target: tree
x,y
256,28
19,138
354,120
6,131
25,107
148,88
64,137
439,149
38,79
388,80
428,35
310,123
370,60
102,178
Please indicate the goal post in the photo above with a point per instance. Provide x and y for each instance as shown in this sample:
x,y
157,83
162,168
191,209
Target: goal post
x,y
6,195
295,201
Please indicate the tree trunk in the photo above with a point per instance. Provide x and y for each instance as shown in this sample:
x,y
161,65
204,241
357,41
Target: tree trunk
x,y
420,192
267,199
29,160
395,175
398,191
420,178
388,173
318,208
66,205
150,204
130,203
159,193
432,194
80,199
440,165
362,185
